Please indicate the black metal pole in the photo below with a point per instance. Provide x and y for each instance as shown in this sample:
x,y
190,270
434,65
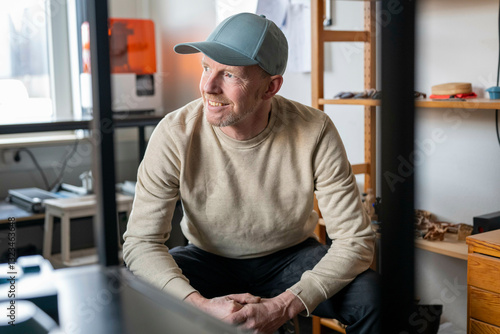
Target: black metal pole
x,y
105,222
142,142
397,125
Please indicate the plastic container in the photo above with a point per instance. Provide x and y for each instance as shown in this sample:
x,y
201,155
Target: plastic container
x,y
494,92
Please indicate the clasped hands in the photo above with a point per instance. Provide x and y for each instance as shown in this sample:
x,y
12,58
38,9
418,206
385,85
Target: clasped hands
x,y
260,315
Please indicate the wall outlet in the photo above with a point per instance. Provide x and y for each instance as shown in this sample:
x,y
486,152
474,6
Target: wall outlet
x,y
8,156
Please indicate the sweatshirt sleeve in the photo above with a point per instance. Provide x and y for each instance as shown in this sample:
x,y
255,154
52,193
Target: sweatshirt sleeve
x,y
346,221
149,225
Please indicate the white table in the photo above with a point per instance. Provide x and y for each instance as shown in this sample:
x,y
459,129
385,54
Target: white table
x,y
67,209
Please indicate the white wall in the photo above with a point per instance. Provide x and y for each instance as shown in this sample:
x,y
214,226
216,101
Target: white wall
x,y
177,22
343,72
50,158
458,177
458,42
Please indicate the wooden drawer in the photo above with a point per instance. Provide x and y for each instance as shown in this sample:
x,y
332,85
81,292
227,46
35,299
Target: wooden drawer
x,y
479,327
483,272
484,305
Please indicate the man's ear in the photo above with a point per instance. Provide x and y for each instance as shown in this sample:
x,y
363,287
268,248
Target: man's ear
x,y
273,87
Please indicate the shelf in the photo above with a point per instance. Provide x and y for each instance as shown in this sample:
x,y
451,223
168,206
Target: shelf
x,y
360,102
450,246
469,104
422,103
120,121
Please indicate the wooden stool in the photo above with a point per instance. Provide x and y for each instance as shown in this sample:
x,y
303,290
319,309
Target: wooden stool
x,y
67,209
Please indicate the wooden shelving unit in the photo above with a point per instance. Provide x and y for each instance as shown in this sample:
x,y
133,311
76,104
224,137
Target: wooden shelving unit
x,y
450,246
320,36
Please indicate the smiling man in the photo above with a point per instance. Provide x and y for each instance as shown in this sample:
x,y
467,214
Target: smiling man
x,y
246,163
237,98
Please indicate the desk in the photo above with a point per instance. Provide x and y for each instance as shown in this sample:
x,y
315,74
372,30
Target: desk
x,y
11,210
483,283
95,299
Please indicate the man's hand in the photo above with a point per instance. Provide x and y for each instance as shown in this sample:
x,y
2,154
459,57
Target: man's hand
x,y
222,307
268,315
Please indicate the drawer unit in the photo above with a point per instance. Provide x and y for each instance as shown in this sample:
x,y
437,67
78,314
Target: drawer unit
x,y
479,327
483,283
483,271
484,305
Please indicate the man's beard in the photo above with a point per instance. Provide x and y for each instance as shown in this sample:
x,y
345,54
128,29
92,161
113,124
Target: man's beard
x,y
228,119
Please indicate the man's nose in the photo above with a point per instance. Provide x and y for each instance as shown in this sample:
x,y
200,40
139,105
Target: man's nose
x,y
212,84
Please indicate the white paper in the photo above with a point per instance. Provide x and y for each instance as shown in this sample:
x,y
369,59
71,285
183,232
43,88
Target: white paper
x,y
226,8
297,30
293,17
274,10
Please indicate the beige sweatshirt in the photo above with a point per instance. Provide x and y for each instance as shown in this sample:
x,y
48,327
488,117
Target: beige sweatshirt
x,y
245,199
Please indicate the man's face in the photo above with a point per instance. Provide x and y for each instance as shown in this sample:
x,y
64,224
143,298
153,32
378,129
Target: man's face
x,y
231,94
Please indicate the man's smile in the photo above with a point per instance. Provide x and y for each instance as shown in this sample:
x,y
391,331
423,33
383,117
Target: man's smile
x,y
216,104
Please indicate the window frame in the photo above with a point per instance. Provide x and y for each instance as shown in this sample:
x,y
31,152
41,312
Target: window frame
x,y
64,93
59,53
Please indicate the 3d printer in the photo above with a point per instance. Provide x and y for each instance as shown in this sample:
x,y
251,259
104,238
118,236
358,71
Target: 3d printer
x,y
135,85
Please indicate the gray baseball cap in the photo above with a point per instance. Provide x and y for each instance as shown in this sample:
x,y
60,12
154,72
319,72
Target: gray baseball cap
x,y
244,39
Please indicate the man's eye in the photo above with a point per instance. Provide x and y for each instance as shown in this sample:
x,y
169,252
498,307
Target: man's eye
x,y
205,68
228,75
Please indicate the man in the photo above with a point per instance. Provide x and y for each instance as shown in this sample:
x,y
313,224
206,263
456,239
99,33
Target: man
x,y
245,164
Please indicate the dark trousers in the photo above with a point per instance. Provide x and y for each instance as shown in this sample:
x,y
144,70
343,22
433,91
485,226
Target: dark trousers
x,y
213,276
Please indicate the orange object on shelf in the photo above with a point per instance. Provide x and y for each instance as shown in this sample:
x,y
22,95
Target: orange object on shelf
x,y
471,95
131,46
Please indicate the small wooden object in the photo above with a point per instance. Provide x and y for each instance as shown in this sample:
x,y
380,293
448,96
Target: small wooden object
x,y
464,230
452,88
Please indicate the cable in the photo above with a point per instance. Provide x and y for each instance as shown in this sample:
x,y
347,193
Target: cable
x,y
40,170
496,123
498,67
24,149
64,163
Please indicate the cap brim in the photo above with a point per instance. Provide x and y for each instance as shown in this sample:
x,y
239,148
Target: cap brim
x,y
218,52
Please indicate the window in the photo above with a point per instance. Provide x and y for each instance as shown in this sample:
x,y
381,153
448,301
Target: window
x,y
33,37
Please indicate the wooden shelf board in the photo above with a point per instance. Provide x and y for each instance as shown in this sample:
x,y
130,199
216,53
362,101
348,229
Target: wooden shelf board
x,y
422,103
345,36
469,104
450,246
361,168
361,102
